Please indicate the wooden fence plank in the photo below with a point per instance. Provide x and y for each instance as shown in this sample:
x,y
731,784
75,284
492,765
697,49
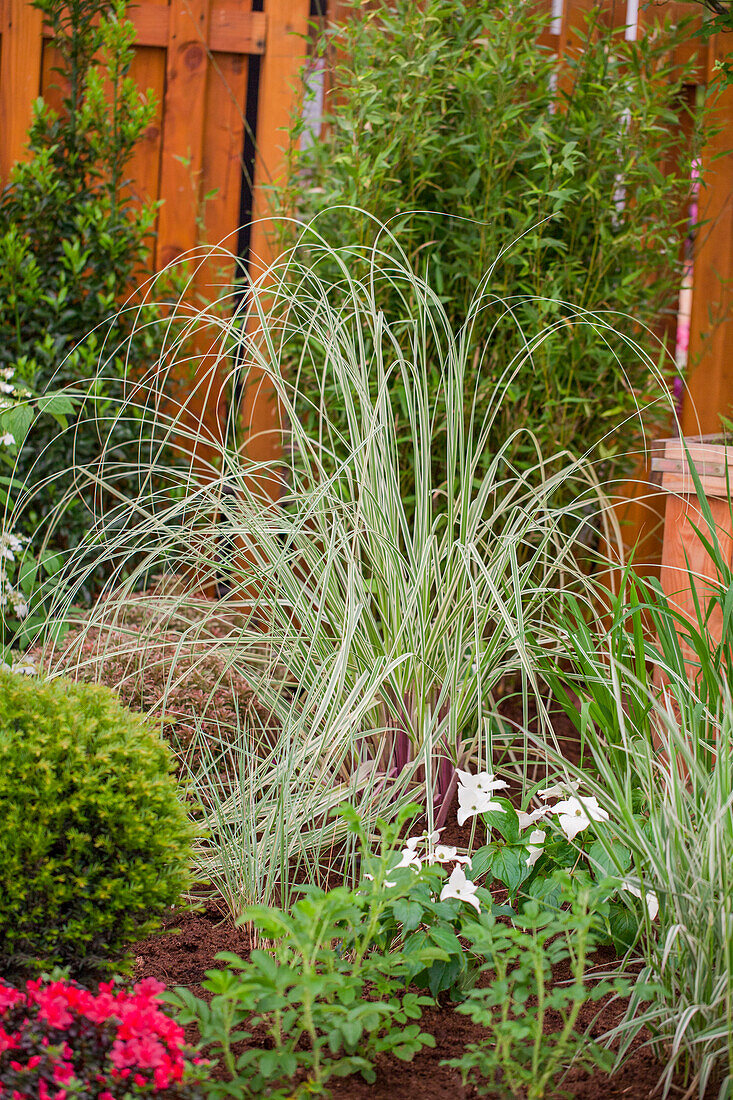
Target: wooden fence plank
x,y
231,29
183,129
20,78
711,325
287,24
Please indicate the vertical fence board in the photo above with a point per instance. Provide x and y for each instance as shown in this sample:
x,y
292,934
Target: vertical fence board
x,y
183,128
287,24
20,78
711,328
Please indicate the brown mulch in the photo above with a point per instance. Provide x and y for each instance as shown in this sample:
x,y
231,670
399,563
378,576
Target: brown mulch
x,y
187,947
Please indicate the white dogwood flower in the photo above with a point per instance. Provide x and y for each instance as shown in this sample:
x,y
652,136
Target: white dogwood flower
x,y
649,898
482,782
527,819
471,802
576,814
7,440
409,858
460,888
559,789
535,846
444,853
424,838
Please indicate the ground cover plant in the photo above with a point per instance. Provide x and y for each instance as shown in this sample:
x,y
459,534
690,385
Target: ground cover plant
x,y
332,992
451,123
95,840
518,1057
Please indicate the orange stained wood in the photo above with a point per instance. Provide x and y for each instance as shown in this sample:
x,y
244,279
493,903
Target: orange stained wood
x,y
287,26
685,560
688,573
711,328
20,78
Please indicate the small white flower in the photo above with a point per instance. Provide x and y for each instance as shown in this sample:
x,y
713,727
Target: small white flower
x,y
371,879
7,387
444,853
10,544
25,667
7,440
409,858
649,898
424,838
576,814
525,820
559,789
18,602
482,782
461,888
536,841
7,373
472,802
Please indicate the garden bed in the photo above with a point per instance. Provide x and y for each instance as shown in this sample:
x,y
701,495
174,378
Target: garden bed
x,y
182,953
182,957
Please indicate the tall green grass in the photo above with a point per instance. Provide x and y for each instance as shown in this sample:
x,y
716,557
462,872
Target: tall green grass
x,y
653,702
372,632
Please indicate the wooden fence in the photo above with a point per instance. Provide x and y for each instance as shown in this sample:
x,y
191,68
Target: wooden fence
x,y
209,61
218,69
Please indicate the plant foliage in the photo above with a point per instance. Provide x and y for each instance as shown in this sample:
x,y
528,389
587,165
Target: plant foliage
x,y
95,840
519,1058
372,632
553,190
655,696
72,239
58,1039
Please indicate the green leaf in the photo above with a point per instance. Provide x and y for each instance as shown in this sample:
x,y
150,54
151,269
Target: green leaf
x,y
504,822
17,420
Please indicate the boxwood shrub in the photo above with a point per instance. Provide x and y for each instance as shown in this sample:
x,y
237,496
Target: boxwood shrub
x,y
95,842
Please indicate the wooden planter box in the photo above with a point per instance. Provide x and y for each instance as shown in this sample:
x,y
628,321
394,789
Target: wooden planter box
x,y
686,565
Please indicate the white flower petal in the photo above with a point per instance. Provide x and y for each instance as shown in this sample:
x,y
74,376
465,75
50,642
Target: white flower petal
x,y
408,859
527,819
649,897
460,888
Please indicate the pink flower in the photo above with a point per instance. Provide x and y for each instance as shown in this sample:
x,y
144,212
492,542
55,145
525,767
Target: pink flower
x,y
63,1072
9,997
7,1041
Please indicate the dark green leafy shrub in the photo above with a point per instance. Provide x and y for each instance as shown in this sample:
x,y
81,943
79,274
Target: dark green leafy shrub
x,y
555,195
95,841
73,241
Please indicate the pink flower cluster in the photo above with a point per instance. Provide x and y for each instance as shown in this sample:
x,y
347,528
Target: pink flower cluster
x,y
56,1037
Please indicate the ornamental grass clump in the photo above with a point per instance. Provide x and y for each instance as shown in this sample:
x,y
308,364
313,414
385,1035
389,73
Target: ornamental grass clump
x,y
656,720
372,631
95,841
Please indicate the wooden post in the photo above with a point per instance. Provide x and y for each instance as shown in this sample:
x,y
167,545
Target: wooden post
x,y
20,78
687,570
